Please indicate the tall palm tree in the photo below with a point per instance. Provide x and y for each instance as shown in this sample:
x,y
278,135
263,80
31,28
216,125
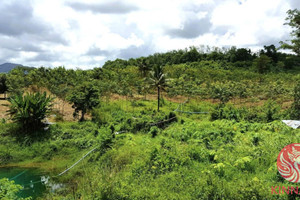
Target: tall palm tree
x,y
158,80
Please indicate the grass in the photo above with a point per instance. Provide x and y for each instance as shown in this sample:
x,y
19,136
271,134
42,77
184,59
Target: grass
x,y
193,158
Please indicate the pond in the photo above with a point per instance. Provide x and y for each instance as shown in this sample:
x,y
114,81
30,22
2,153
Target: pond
x,y
34,181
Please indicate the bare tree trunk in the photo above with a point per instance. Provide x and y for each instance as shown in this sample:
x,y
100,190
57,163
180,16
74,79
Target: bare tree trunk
x,y
158,98
82,116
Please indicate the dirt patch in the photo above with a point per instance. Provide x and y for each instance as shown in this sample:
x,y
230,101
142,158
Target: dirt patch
x,y
65,109
3,109
286,105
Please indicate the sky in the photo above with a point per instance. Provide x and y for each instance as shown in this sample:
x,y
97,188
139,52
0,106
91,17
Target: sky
x,y
86,33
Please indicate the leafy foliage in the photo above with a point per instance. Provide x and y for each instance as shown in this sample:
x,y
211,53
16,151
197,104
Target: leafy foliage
x,y
17,81
145,154
269,112
296,103
3,83
222,91
84,97
293,20
263,63
9,190
231,157
30,110
158,80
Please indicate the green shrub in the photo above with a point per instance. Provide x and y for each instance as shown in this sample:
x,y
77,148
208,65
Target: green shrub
x,y
105,139
30,110
166,159
9,190
271,110
227,111
154,131
222,92
244,163
296,103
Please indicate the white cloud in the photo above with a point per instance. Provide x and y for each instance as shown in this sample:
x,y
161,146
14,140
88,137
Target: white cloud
x,y
70,33
250,20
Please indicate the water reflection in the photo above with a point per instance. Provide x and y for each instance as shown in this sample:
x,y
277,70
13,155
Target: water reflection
x,y
33,180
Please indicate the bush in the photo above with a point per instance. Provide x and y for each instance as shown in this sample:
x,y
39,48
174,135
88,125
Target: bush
x,y
9,190
154,131
222,92
262,64
227,112
30,110
269,112
296,103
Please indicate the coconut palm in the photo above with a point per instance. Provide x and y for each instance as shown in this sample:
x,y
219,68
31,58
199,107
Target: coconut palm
x,y
158,80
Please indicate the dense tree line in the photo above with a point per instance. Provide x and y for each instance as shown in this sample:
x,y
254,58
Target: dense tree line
x,y
239,57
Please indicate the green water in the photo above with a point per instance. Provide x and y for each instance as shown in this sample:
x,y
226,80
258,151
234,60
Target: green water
x,y
32,180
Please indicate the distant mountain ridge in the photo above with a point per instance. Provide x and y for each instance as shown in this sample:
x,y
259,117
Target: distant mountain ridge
x,y
6,67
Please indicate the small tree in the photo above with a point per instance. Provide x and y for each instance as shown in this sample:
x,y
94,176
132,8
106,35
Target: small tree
x,y
84,97
222,92
271,52
293,20
3,84
30,110
262,63
17,80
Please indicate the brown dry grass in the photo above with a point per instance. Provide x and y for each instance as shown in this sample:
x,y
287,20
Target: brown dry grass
x,y
286,105
3,109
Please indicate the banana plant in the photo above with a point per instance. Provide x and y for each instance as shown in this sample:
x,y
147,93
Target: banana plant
x,y
30,110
